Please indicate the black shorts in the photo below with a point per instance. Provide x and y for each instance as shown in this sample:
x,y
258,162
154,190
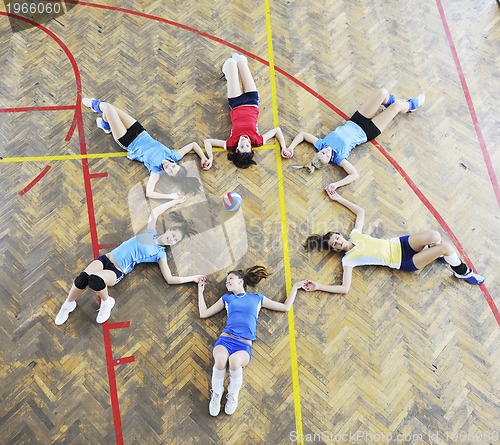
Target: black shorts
x,y
250,98
108,265
370,129
132,132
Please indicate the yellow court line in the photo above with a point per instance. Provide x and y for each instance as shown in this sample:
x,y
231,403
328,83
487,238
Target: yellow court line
x,y
94,156
64,157
284,237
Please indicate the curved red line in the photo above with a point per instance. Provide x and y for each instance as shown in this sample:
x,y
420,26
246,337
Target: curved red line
x,y
78,121
393,162
32,183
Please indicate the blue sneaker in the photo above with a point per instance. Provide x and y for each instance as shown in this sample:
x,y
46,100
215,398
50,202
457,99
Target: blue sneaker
x,y
92,104
471,277
390,101
416,102
103,125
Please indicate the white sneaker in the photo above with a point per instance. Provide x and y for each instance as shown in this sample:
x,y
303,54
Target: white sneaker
x,y
232,403
214,405
105,309
66,308
239,57
87,101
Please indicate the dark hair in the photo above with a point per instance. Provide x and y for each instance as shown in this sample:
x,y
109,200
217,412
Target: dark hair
x,y
189,184
320,242
241,160
184,225
251,276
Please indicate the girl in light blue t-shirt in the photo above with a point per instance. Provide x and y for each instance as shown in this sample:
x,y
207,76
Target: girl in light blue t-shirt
x,y
364,125
109,269
156,157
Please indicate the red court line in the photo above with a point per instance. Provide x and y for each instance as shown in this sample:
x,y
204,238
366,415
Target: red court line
x,y
98,175
78,122
405,176
49,108
32,183
470,105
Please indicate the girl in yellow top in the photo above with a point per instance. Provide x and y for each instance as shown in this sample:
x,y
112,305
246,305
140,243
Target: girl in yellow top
x,y
408,253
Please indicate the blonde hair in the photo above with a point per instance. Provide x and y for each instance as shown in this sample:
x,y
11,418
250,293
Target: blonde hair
x,y
312,165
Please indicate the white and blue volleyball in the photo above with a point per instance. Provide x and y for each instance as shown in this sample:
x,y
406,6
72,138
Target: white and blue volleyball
x,y
232,201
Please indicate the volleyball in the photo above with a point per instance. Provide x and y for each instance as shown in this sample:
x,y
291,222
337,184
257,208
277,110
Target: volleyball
x,y
232,201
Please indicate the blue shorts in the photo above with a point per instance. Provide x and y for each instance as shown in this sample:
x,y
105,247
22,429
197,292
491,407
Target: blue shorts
x,y
407,253
250,98
233,345
108,265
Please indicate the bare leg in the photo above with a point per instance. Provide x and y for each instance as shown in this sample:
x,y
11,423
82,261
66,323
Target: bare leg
x,y
371,106
118,120
383,119
238,360
424,257
230,70
221,356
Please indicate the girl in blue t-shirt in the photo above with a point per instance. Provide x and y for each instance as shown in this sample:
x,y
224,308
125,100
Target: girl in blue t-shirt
x,y
408,253
109,269
235,343
364,125
157,158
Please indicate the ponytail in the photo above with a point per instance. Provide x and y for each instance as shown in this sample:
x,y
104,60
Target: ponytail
x,y
319,242
251,276
184,225
188,184
312,165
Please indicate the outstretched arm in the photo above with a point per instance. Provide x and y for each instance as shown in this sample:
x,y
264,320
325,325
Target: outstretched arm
x,y
150,189
157,211
352,175
343,288
301,137
210,143
287,305
206,162
278,134
170,279
202,305
357,210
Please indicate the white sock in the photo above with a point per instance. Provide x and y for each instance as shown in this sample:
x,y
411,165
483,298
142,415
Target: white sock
x,y
235,381
68,304
453,260
218,380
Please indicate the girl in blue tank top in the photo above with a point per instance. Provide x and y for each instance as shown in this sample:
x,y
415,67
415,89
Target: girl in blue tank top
x,y
364,125
234,345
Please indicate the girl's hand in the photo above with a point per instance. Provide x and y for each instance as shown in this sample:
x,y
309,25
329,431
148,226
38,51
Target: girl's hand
x,y
180,198
310,286
206,163
300,284
177,196
287,153
202,281
332,193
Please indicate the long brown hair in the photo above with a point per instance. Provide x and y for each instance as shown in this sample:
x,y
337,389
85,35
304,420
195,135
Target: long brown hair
x,y
251,276
320,242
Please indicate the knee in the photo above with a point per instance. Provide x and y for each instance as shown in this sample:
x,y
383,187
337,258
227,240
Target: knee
x,y
383,94
220,362
234,363
96,283
447,249
82,280
434,237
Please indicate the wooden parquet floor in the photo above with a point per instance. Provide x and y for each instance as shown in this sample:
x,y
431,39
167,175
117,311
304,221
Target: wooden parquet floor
x,y
402,358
